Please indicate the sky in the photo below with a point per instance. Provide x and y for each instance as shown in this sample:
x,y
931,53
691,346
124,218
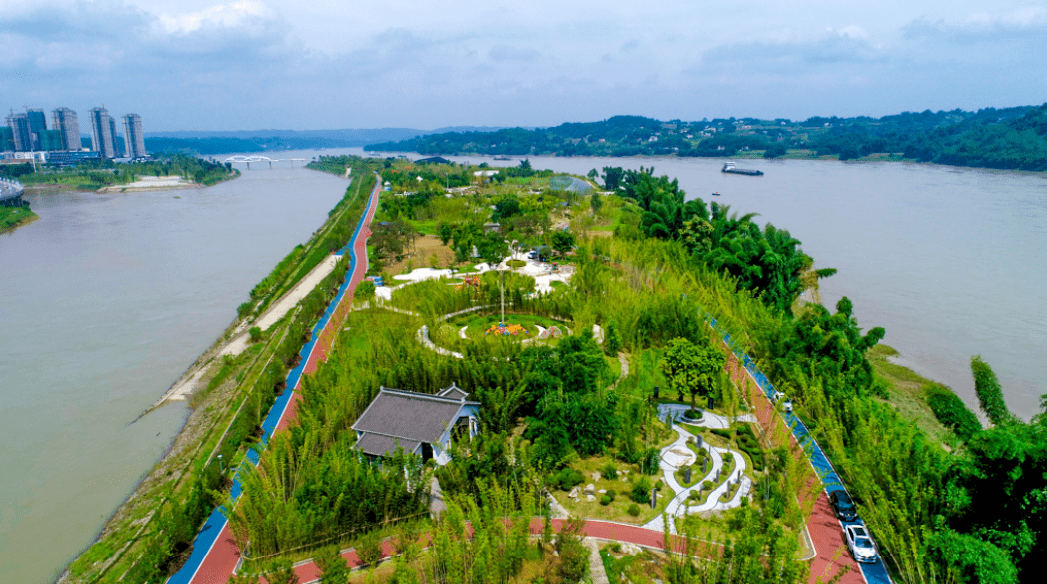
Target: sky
x,y
260,64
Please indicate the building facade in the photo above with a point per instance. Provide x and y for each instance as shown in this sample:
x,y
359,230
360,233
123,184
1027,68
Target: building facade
x,y
21,137
37,124
134,139
65,121
103,132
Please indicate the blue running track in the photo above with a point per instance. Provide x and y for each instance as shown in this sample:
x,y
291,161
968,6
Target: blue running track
x,y
208,534
873,573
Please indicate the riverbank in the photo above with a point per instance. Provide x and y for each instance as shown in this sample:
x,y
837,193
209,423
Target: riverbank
x,y
229,396
12,218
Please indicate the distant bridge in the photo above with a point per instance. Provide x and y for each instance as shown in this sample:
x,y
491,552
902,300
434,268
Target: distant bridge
x,y
261,159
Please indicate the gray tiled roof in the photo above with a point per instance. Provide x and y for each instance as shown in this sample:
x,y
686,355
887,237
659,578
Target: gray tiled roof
x,y
379,445
409,416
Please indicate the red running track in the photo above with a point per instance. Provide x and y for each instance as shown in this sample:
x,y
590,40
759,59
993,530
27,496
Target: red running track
x,y
223,556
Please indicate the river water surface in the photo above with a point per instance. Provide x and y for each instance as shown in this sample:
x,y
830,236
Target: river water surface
x,y
104,302
950,261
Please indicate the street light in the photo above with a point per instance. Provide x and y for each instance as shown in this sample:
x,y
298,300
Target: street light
x,y
221,463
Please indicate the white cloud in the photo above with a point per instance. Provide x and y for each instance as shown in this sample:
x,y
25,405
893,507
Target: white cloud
x,y
235,15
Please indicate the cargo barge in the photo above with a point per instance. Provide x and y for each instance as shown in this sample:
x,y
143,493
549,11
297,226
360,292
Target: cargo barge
x,y
731,168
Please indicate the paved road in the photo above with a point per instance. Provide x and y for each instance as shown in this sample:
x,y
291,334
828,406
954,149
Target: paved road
x,y
214,553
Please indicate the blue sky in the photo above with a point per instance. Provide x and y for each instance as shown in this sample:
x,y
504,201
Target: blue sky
x,y
203,65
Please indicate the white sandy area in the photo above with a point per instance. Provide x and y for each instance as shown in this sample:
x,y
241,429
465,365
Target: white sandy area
x,y
238,344
154,182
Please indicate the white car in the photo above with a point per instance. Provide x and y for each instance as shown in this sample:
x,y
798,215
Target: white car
x,y
860,544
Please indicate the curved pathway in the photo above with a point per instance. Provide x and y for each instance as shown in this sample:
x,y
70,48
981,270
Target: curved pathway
x,y
215,554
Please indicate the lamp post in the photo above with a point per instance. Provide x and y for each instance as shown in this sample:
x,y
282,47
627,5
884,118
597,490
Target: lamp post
x,y
221,463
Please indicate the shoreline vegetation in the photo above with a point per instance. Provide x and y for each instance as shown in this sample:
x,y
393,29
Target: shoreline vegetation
x,y
1006,139
648,268
168,172
12,218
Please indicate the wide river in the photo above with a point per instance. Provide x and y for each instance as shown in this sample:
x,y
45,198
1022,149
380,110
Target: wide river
x,y
104,302
107,299
950,261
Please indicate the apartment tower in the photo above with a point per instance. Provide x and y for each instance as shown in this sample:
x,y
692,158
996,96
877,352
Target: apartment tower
x,y
20,134
134,140
103,132
65,121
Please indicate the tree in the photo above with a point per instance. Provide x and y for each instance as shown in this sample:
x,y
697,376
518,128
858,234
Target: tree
x,y
333,567
593,174
369,548
691,367
990,395
574,558
612,177
281,572
612,338
563,241
596,203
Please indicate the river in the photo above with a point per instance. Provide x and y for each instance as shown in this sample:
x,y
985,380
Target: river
x,y
104,302
950,261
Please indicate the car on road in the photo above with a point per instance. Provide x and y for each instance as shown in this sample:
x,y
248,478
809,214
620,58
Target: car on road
x,y
860,544
843,506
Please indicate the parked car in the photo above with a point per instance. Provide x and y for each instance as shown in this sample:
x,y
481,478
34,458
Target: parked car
x,y
860,544
843,506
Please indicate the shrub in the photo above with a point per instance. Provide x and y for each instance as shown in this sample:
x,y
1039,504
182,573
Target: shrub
x,y
609,471
641,492
693,414
706,485
364,290
659,485
255,334
567,479
369,548
612,494
605,500
952,412
634,510
616,547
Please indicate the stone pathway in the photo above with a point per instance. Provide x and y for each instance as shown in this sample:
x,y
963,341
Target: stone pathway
x,y
677,455
708,420
597,573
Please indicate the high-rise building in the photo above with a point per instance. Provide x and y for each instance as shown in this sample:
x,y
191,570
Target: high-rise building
x,y
134,140
21,136
37,124
103,132
7,139
65,121
50,140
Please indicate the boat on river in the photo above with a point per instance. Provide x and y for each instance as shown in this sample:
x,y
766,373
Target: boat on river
x,y
731,167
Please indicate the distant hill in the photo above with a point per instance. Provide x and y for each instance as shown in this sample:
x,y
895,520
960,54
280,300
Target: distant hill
x,y
1010,138
221,142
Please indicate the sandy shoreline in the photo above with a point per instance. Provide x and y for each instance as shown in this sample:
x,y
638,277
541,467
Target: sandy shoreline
x,y
193,379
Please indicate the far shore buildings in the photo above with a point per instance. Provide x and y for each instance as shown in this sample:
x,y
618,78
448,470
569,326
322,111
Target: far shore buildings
x,y
103,132
27,137
134,141
420,423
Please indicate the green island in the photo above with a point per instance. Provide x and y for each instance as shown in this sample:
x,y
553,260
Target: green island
x,y
1008,138
574,422
12,218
